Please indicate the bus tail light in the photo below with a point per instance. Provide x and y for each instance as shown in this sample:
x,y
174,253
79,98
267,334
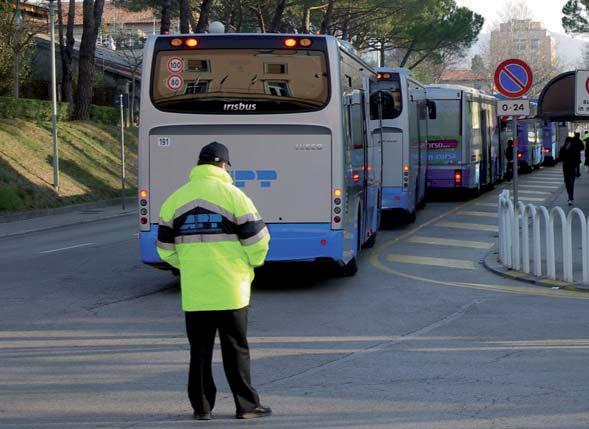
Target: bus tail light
x,y
337,219
520,155
143,210
457,177
546,150
356,177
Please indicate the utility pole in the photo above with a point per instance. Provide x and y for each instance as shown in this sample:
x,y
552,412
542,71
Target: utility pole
x,y
17,23
54,99
515,159
121,99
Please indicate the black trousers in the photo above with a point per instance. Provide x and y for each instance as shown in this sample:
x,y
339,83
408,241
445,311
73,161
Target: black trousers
x,y
509,172
201,329
570,174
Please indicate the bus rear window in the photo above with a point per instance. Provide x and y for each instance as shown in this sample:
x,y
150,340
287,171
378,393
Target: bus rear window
x,y
240,81
390,97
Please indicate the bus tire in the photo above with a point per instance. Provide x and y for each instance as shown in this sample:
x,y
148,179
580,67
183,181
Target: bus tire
x,y
350,269
411,216
421,204
370,242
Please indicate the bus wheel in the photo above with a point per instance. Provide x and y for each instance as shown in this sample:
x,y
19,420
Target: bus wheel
x,y
350,269
411,216
370,242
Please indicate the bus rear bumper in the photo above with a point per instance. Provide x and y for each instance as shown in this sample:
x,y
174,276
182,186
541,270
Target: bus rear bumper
x,y
288,243
445,179
394,198
305,242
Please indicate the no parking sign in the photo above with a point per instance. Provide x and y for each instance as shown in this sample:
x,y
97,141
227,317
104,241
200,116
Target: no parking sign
x,y
513,78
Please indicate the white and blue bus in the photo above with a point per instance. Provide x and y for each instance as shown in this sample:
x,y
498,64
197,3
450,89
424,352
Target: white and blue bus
x,y
401,122
293,111
463,139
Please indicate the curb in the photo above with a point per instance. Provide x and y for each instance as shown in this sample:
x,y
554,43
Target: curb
x,y
33,214
80,222
491,263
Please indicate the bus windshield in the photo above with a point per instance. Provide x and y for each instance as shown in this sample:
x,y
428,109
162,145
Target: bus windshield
x,y
240,81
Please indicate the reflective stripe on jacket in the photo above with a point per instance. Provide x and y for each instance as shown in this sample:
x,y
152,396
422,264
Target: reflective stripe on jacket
x,y
212,232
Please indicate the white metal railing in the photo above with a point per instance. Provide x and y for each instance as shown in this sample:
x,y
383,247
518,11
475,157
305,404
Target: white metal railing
x,y
514,238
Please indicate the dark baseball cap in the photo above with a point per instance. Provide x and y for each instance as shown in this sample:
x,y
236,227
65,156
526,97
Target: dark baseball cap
x,y
215,151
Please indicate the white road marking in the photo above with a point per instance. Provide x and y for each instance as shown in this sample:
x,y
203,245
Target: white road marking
x,y
471,226
524,191
67,248
419,239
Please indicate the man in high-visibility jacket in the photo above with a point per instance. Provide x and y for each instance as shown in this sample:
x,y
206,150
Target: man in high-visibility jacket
x,y
213,234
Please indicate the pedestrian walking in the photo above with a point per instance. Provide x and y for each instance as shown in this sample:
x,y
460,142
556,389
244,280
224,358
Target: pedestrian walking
x,y
211,231
509,158
586,141
578,147
569,157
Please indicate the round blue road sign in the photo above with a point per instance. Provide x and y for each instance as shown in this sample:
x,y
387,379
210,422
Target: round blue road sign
x,y
513,78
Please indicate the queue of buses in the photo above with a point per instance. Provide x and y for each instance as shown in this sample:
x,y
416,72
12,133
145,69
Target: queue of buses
x,y
323,143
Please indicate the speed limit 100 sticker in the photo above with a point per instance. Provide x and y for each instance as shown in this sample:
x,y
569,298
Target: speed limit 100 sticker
x,y
174,82
175,65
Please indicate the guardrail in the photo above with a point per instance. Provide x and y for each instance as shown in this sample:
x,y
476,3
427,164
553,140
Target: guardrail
x,y
514,238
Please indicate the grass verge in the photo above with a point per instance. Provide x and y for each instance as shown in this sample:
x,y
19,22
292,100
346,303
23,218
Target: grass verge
x,y
89,159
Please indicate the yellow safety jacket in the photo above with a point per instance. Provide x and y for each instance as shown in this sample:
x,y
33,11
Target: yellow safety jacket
x,y
212,232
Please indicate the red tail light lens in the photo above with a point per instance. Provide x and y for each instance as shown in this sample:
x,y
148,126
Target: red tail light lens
x,y
337,219
356,177
520,155
143,221
458,177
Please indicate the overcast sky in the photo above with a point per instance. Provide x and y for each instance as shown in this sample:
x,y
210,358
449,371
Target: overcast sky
x,y
549,12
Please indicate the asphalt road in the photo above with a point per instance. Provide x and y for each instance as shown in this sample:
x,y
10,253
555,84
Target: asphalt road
x,y
422,337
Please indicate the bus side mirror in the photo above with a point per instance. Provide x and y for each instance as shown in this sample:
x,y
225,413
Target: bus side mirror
x,y
431,110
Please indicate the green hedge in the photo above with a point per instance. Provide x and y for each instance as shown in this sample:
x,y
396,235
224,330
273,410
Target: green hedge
x,y
26,108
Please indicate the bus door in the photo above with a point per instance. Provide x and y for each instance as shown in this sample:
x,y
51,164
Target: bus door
x,y
485,149
359,143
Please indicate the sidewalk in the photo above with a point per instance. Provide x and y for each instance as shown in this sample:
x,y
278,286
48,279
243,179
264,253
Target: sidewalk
x,y
36,221
559,199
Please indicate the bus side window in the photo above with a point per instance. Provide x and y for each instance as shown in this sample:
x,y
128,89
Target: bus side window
x,y
432,112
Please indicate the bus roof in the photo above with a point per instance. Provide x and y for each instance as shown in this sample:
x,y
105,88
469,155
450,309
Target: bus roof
x,y
447,91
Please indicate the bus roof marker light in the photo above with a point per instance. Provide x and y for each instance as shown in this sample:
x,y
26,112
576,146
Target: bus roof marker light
x,y
305,43
191,42
290,42
176,42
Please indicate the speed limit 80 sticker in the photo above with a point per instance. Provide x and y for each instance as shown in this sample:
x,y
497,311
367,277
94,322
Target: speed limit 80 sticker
x,y
175,65
174,82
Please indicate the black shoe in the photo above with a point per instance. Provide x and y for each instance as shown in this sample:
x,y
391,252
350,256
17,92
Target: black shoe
x,y
202,416
259,411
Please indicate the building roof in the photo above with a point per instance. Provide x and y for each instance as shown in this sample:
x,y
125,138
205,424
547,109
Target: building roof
x,y
113,14
461,75
105,58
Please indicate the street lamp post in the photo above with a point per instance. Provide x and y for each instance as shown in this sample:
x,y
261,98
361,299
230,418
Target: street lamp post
x,y
54,99
16,22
